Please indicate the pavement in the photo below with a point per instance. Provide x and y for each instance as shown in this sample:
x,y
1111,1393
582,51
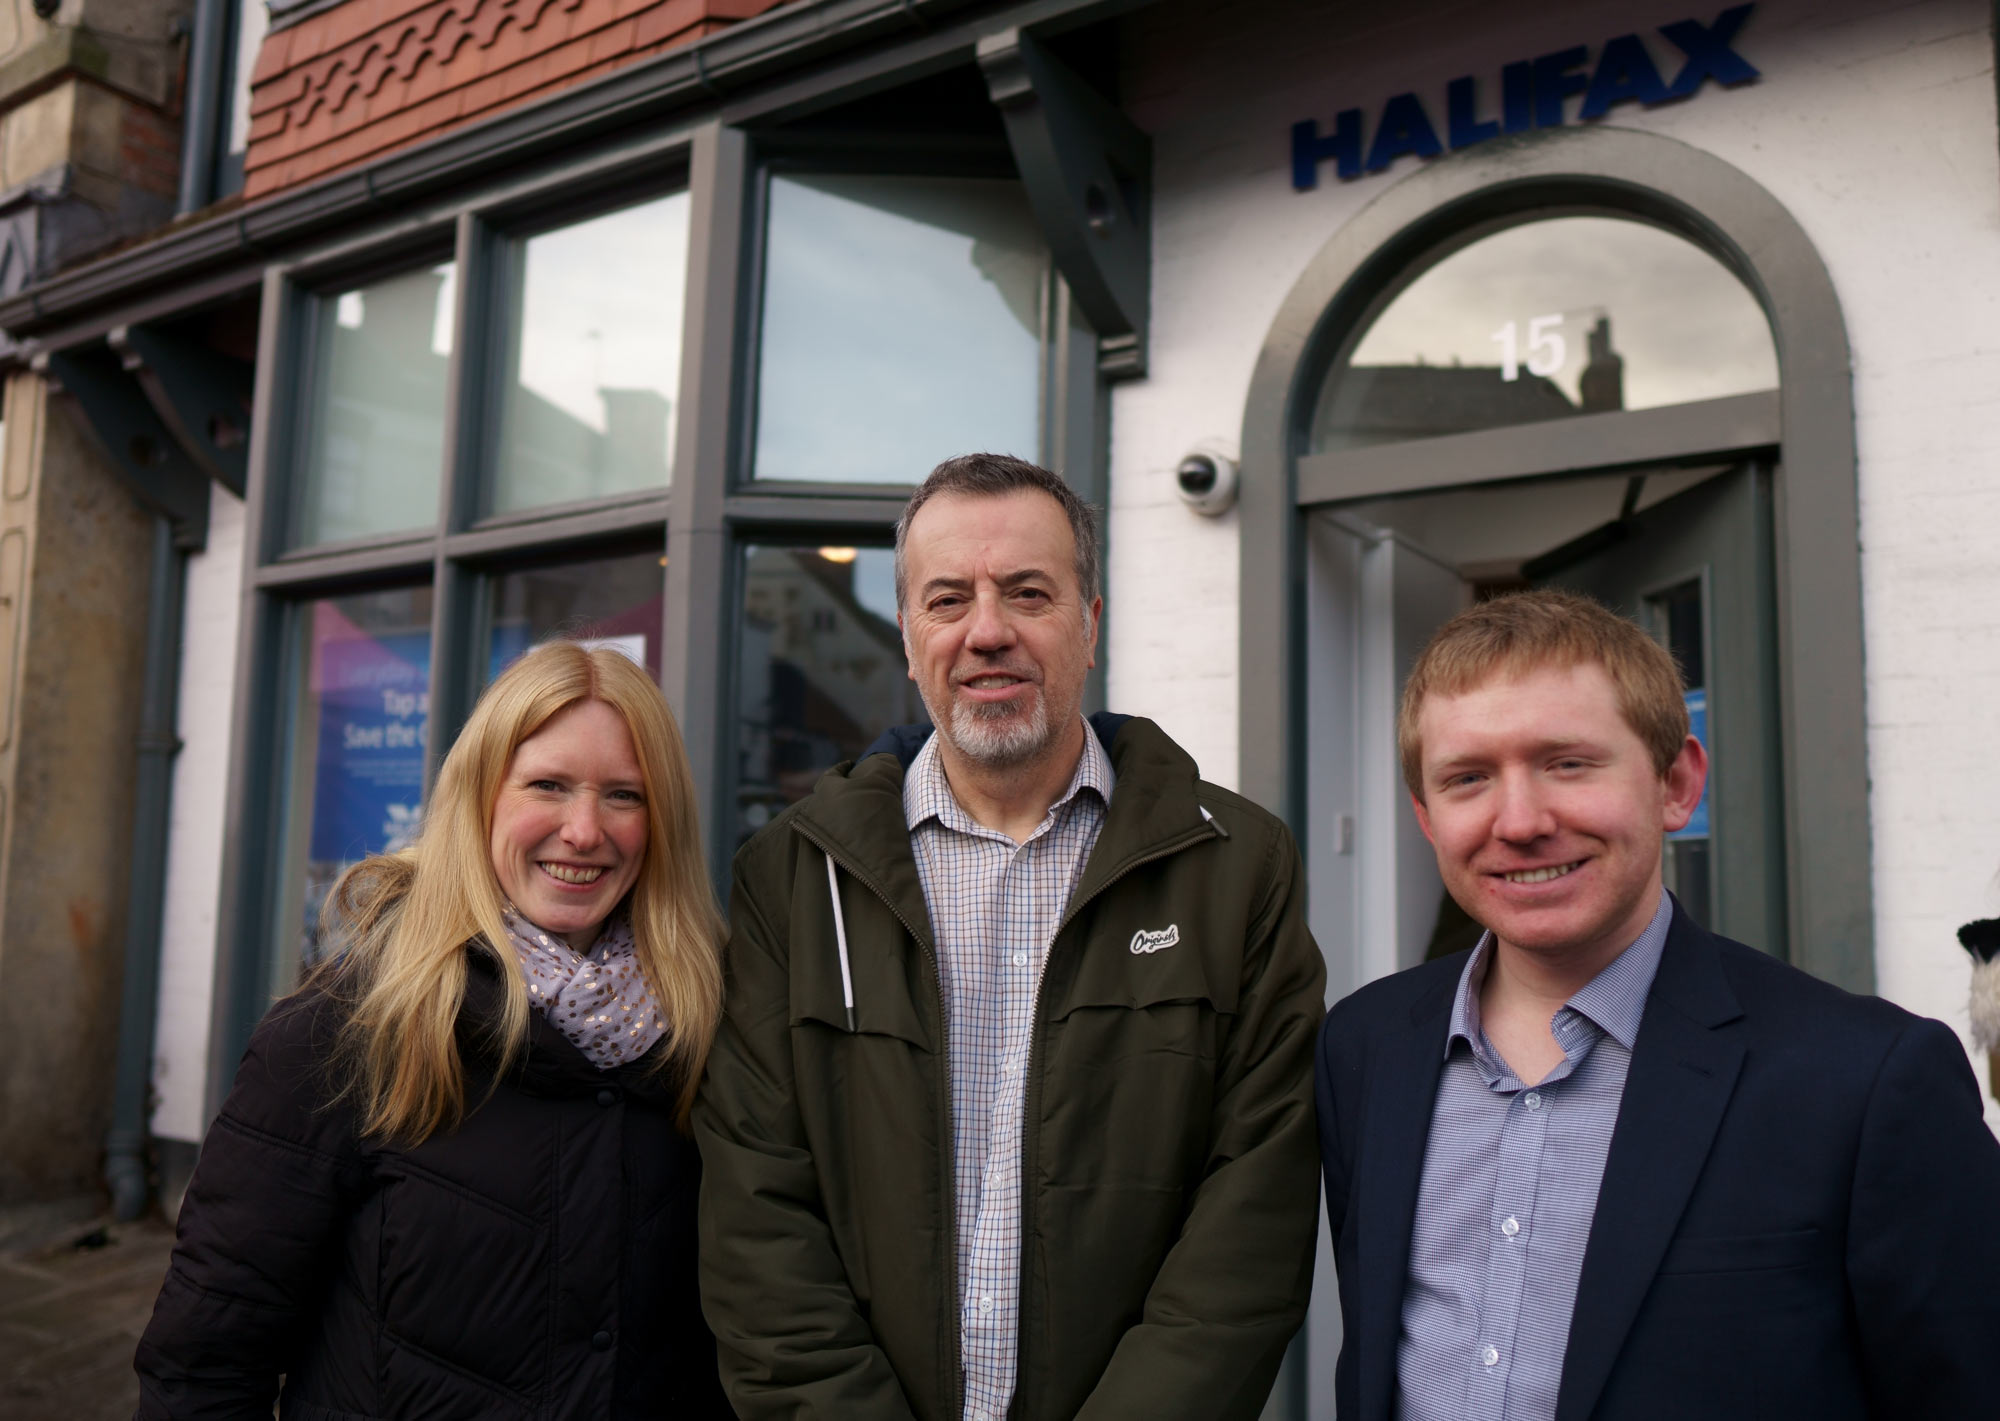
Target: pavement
x,y
70,1317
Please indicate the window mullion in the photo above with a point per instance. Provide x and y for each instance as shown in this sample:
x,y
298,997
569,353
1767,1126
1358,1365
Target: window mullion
x,y
698,610
455,589
241,986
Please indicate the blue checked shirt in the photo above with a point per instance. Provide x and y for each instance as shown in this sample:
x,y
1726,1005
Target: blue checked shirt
x,y
1509,1190
994,906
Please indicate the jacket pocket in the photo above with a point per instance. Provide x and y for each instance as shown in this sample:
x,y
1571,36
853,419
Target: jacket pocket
x,y
1742,1253
1145,965
884,966
307,1411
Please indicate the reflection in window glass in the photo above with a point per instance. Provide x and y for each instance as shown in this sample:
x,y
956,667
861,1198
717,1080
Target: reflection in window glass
x,y
1567,316
822,670
901,325
374,438
616,601
361,706
595,349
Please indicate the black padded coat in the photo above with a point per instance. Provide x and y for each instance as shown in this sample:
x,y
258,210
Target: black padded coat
x,y
537,1262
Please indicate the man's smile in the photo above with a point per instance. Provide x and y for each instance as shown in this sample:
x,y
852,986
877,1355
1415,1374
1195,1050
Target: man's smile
x,y
1545,874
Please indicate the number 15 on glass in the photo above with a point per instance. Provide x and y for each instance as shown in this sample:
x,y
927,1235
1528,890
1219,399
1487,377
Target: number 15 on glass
x,y
1546,349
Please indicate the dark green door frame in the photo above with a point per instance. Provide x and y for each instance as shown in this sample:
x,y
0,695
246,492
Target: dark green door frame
x,y
1822,729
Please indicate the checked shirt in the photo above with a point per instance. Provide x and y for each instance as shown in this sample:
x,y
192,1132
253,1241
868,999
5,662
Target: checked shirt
x,y
994,907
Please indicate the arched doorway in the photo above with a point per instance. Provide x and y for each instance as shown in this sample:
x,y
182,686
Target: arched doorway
x,y
1713,495
1724,514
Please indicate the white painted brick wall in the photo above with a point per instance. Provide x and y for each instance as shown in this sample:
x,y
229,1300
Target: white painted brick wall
x,y
1873,123
195,847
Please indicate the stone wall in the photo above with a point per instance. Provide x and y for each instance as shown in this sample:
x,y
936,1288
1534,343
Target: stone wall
x,y
74,553
89,128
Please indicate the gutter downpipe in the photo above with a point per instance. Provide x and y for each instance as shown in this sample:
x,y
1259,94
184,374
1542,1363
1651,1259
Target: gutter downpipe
x,y
201,108
125,1164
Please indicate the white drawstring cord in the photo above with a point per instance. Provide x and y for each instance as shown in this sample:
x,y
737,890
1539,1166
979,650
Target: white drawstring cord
x,y
840,940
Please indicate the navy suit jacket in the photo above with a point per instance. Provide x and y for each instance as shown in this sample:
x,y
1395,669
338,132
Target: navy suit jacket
x,y
1800,1213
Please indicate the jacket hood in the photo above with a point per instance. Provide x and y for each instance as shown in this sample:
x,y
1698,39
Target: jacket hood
x,y
855,812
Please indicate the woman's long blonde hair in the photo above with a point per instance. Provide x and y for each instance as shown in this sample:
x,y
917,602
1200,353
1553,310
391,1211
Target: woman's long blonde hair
x,y
402,923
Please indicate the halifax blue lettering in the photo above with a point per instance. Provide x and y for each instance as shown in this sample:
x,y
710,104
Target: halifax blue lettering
x,y
1405,128
1309,150
1517,96
1708,52
1555,80
1462,108
1625,74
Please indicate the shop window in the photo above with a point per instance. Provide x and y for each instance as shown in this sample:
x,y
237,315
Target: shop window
x,y
615,601
902,323
1547,320
820,670
374,435
359,706
494,435
593,359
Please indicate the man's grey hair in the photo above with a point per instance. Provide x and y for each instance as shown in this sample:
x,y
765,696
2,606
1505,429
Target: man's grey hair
x,y
993,476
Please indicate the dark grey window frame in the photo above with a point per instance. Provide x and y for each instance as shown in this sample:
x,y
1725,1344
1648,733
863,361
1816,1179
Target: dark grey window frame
x,y
1817,535
726,508
710,511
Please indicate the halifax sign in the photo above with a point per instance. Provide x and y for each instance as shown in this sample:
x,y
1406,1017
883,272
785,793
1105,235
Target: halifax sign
x,y
1532,95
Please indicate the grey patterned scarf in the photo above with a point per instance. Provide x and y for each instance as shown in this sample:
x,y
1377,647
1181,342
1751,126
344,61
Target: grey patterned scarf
x,y
598,999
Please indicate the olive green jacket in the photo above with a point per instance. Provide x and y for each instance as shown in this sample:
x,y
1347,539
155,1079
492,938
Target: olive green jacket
x,y
1169,1171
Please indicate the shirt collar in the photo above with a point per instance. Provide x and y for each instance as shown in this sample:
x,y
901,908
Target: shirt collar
x,y
927,793
1615,999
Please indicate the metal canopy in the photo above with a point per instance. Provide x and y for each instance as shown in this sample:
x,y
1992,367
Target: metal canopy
x,y
135,441
200,394
1701,432
808,54
1088,170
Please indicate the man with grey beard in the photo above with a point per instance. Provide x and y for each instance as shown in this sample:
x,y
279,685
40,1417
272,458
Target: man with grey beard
x,y
1010,1114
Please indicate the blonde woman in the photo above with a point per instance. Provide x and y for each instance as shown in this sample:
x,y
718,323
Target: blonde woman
x,y
453,1179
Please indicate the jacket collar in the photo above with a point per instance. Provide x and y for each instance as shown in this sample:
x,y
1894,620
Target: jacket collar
x,y
549,1064
1684,1069
855,812
1402,1090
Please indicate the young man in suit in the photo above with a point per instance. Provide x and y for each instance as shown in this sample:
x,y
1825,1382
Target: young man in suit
x,y
1607,1164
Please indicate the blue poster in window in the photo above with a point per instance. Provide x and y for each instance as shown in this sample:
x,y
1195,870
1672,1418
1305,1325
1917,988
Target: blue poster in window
x,y
374,695
1697,704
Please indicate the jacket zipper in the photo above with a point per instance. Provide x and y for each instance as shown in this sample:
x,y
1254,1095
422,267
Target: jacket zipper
x,y
1032,1094
949,1170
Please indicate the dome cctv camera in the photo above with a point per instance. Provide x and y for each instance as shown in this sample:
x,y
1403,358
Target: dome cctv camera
x,y
1207,480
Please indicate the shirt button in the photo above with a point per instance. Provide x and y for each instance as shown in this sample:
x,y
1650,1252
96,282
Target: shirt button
x,y
986,1304
1489,1355
1020,959
600,1342
1532,1100
1510,1226
607,1097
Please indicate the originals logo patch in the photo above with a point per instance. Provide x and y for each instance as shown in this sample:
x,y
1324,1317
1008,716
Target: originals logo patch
x,y
1164,938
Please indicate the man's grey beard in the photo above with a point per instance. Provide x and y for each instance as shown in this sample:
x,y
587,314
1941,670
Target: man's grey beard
x,y
999,737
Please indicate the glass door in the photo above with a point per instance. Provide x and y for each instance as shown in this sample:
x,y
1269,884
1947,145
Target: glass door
x,y
1696,571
